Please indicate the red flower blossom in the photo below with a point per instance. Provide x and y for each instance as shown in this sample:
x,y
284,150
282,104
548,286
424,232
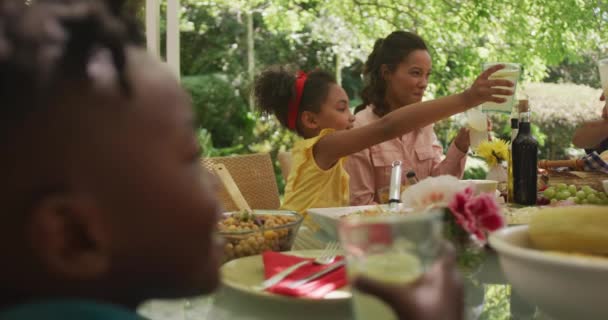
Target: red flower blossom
x,y
476,215
457,207
491,222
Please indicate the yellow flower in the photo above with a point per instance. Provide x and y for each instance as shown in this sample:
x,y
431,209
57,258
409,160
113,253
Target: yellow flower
x,y
493,152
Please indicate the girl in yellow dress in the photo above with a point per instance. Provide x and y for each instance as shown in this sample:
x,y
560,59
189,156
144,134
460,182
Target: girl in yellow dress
x,y
316,107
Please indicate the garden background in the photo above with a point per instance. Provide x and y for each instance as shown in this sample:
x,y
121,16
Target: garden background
x,y
225,43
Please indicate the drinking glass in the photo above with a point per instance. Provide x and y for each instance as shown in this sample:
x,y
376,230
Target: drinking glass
x,y
394,249
477,122
510,72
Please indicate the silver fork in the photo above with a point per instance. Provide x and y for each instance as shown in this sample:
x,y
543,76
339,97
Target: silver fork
x,y
327,256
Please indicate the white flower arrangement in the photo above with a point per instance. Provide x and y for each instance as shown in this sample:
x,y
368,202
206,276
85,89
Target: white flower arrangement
x,y
468,216
432,191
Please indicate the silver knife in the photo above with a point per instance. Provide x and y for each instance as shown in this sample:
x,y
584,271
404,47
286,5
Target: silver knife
x,y
280,276
316,275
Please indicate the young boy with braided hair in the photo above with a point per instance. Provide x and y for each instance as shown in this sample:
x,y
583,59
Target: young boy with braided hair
x,y
103,199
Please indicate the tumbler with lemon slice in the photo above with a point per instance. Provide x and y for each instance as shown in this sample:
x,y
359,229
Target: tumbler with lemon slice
x,y
510,72
394,249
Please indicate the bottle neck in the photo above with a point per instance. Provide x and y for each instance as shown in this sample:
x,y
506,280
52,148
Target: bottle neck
x,y
514,123
524,128
524,117
514,128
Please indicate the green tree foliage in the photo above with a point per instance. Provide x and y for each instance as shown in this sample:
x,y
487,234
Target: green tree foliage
x,y
580,71
220,109
463,34
539,34
554,40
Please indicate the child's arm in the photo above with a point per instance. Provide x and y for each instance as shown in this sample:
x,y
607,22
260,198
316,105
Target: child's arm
x,y
342,143
591,134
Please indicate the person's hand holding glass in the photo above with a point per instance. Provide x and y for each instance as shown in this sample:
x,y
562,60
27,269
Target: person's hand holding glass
x,y
389,249
477,120
510,72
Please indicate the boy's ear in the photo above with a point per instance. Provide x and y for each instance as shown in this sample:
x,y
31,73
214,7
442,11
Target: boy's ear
x,y
309,120
68,237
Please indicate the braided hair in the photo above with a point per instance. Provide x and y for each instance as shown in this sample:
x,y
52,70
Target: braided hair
x,y
47,49
48,44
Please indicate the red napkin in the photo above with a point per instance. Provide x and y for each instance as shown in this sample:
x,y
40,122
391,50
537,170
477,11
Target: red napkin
x,y
275,262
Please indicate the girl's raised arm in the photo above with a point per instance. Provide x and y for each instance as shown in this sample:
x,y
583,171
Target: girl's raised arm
x,y
342,143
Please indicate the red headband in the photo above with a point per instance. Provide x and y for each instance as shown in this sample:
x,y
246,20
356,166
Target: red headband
x,y
294,104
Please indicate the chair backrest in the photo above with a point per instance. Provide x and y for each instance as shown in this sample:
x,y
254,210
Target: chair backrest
x,y
254,176
284,158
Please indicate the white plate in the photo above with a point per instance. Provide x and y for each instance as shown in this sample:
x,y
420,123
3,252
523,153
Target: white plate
x,y
246,273
564,286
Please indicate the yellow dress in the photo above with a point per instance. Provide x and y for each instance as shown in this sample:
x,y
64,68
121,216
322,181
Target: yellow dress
x,y
308,186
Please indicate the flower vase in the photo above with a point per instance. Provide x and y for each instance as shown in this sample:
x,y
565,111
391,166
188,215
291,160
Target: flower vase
x,y
469,251
497,173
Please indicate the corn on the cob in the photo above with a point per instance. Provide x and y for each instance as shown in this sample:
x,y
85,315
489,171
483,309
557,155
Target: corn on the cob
x,y
574,229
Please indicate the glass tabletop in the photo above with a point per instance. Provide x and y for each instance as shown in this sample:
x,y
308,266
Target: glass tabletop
x,y
488,295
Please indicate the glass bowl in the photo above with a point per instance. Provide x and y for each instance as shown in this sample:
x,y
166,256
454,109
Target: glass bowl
x,y
252,233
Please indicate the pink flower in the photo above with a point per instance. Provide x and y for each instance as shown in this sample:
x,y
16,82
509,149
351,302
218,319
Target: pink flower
x,y
483,205
461,199
457,207
476,215
492,222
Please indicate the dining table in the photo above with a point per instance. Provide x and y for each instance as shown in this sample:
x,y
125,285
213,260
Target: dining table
x,y
488,295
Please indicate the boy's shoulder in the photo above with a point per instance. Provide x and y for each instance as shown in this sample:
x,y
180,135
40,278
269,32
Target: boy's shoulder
x,y
68,309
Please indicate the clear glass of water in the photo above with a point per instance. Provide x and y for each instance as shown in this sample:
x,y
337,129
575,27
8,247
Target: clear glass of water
x,y
395,249
511,72
477,121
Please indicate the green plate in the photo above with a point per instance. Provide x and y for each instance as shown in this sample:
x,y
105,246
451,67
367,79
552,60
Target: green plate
x,y
244,274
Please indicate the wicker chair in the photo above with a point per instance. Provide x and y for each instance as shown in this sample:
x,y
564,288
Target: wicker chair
x,y
254,176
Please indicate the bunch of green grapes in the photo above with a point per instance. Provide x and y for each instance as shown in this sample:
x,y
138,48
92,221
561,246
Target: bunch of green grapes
x,y
584,195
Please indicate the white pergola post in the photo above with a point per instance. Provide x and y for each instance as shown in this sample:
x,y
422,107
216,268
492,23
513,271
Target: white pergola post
x,y
153,31
173,16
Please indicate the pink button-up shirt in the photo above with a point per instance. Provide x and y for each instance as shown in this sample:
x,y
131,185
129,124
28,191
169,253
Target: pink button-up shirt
x,y
419,150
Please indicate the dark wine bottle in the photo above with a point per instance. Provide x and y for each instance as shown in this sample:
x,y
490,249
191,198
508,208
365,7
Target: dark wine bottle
x,y
514,130
525,158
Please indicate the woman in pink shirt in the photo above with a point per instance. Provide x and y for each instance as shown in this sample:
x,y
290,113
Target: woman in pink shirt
x,y
397,73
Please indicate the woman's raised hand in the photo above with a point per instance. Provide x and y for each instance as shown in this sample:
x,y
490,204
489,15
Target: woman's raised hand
x,y
485,89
